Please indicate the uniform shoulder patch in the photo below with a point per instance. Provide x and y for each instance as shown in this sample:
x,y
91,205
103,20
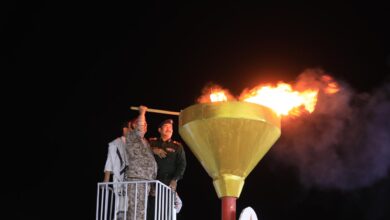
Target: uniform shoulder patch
x,y
177,142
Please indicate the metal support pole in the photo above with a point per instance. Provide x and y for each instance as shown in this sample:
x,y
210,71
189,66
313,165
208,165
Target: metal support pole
x,y
228,208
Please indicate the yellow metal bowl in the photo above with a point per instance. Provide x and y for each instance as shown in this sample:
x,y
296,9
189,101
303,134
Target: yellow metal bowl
x,y
229,139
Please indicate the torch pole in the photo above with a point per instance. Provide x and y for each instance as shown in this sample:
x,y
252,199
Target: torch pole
x,y
228,208
157,111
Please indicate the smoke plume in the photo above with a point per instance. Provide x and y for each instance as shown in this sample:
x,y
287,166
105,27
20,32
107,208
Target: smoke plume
x,y
344,143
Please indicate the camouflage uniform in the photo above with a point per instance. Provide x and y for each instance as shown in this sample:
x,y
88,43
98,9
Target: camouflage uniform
x,y
142,166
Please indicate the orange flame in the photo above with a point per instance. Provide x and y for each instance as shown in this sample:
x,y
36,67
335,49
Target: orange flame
x,y
332,87
218,96
281,98
215,93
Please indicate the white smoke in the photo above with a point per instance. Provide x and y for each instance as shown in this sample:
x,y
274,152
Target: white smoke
x,y
344,143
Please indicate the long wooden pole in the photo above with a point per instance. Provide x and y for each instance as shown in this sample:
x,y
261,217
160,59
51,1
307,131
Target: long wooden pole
x,y
157,111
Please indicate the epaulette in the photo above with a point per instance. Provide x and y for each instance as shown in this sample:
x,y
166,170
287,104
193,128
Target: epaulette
x,y
177,142
153,139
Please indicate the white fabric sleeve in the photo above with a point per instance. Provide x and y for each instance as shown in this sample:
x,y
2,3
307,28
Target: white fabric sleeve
x,y
109,162
178,203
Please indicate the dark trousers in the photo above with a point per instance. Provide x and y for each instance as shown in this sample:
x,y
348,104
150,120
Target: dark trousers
x,y
151,208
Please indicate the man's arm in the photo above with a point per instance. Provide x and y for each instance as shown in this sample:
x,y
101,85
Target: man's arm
x,y
141,122
107,175
181,164
109,164
141,117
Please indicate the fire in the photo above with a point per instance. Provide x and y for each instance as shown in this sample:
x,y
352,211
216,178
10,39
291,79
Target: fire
x,y
281,98
332,87
218,96
215,93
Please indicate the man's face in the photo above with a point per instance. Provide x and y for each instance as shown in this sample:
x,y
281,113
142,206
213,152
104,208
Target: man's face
x,y
166,130
127,129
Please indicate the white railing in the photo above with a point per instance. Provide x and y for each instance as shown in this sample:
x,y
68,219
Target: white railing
x,y
133,200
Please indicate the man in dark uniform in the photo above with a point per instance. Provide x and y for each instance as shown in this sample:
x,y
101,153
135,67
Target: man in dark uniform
x,y
170,158
169,155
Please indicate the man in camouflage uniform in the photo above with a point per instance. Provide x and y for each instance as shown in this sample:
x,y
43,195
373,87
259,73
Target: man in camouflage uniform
x,y
141,167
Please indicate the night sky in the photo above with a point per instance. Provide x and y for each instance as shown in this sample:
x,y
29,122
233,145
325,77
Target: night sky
x,y
73,69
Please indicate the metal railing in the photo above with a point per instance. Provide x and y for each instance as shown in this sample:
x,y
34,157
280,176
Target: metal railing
x,y
135,200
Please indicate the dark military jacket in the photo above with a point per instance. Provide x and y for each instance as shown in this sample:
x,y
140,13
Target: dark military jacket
x,y
174,164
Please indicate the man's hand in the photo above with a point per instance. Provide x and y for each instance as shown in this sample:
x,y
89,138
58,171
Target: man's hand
x,y
173,185
142,109
159,152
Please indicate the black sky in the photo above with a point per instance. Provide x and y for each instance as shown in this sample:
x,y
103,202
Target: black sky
x,y
73,69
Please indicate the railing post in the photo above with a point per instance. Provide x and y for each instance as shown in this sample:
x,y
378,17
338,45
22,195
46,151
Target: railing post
x,y
115,201
97,202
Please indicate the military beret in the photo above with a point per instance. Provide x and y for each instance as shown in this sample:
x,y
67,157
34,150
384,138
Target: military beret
x,y
167,121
